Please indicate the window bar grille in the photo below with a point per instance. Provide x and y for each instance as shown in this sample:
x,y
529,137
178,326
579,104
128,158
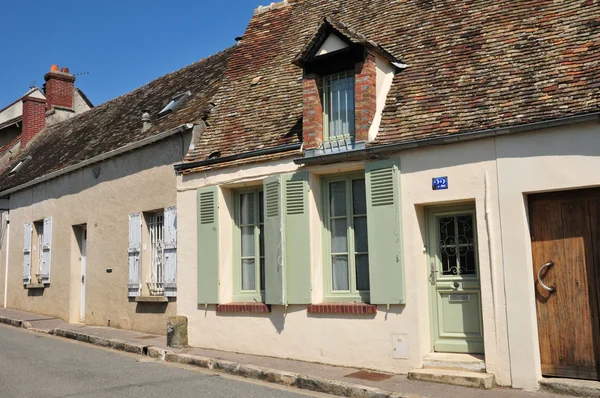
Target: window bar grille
x,y
157,225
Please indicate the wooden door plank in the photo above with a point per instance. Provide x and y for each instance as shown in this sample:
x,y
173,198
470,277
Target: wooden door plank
x,y
546,229
577,340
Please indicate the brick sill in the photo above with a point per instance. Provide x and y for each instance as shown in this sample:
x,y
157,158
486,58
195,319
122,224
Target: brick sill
x,y
35,286
343,308
255,308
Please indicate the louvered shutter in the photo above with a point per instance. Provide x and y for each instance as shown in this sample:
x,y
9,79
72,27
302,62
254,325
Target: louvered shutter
x,y
27,228
134,249
46,250
297,239
274,242
170,251
386,269
208,246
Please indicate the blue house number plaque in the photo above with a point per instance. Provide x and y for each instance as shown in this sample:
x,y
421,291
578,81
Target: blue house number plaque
x,y
438,183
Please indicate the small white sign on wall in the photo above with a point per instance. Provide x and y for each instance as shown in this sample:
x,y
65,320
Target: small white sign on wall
x,y
400,346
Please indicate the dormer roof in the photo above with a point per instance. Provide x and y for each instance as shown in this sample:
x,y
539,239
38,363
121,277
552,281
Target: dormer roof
x,y
331,26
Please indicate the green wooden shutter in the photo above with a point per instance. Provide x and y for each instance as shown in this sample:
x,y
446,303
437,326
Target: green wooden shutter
x,y
208,246
297,238
384,228
274,242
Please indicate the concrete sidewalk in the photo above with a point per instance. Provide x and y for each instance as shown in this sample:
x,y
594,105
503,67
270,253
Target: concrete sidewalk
x,y
316,377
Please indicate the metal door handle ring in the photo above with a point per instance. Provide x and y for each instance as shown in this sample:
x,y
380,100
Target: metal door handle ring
x,y
550,289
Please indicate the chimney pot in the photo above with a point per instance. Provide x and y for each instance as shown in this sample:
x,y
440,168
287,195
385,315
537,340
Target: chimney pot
x,y
65,70
54,68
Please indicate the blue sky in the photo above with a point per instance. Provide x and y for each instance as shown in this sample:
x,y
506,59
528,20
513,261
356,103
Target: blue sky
x,y
123,44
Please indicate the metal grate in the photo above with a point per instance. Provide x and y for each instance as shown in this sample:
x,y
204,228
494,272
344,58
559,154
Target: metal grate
x,y
382,187
294,197
207,207
157,233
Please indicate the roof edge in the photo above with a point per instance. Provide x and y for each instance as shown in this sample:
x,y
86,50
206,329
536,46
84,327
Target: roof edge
x,y
99,158
374,151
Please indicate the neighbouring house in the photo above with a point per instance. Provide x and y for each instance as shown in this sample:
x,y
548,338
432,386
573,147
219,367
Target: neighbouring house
x,y
91,203
24,118
392,185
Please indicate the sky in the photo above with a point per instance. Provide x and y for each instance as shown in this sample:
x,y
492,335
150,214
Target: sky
x,y
112,46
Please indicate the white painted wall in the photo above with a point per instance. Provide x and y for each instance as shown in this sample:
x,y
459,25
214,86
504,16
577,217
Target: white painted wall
x,y
332,43
385,77
340,339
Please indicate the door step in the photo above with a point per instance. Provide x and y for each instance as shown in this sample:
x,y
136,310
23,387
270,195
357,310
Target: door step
x,y
578,388
463,362
455,377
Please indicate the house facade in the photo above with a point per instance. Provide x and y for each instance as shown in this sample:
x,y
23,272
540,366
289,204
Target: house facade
x,y
91,204
391,191
24,118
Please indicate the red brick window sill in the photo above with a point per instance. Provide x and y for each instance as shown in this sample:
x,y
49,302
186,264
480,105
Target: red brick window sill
x,y
343,308
244,307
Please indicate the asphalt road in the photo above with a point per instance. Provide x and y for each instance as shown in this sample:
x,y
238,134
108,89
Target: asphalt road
x,y
33,365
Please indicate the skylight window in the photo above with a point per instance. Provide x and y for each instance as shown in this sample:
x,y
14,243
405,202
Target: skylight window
x,y
17,167
175,102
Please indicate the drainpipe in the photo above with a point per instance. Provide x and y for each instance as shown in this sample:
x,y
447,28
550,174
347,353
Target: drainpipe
x,y
7,234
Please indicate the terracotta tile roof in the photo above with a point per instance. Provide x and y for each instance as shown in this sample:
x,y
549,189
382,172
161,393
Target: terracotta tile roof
x,y
6,147
118,122
473,65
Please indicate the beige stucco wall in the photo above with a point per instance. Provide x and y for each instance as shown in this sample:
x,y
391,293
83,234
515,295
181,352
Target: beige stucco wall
x,y
341,339
100,196
550,160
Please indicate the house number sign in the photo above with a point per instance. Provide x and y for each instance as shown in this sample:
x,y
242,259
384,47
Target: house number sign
x,y
438,183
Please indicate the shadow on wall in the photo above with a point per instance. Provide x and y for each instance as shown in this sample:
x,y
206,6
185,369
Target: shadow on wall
x,y
279,314
151,308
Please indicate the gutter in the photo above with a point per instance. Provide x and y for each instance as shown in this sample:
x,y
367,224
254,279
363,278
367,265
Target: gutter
x,y
361,154
99,158
245,155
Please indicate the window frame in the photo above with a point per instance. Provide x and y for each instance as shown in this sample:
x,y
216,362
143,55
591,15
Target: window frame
x,y
153,267
326,93
38,226
330,295
239,295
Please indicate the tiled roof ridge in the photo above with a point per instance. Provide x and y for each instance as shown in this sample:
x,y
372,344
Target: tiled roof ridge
x,y
158,79
272,6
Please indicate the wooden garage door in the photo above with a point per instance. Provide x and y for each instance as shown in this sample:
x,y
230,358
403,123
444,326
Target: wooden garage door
x,y
565,236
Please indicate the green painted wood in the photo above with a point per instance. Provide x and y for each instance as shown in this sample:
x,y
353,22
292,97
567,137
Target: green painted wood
x,y
386,270
297,239
274,241
208,244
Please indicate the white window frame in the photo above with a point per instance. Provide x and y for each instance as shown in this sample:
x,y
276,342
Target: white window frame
x,y
345,96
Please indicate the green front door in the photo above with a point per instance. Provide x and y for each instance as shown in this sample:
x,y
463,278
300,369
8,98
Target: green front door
x,y
454,281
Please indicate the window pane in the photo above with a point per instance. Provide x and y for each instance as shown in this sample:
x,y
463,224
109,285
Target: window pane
x,y
262,274
359,196
340,273
362,271
248,274
337,198
247,241
262,240
261,207
361,244
247,208
339,236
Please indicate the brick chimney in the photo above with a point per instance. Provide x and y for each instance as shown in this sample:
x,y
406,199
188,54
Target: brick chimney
x,y
59,87
34,118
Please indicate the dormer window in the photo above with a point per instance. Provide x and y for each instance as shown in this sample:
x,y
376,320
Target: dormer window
x,y
176,100
338,106
344,74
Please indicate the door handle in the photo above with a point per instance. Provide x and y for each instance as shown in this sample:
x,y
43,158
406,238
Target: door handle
x,y
82,278
432,273
543,267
